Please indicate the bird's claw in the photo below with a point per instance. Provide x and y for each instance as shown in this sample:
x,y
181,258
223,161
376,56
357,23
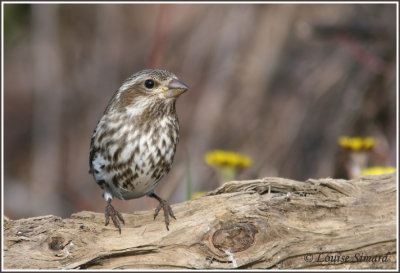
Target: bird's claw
x,y
167,212
115,215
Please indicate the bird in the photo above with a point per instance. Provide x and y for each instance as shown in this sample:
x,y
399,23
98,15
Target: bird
x,y
133,145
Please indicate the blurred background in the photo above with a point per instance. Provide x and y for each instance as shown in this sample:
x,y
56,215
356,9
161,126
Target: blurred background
x,y
278,83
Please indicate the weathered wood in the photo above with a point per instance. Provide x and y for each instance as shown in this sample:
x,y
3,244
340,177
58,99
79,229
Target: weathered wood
x,y
297,225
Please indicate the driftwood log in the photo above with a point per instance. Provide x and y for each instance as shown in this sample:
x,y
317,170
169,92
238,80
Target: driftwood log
x,y
270,223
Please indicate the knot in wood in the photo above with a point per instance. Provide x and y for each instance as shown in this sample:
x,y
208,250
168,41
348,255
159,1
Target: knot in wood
x,y
235,237
56,243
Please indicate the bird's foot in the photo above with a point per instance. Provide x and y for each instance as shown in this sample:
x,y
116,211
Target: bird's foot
x,y
167,212
166,208
115,215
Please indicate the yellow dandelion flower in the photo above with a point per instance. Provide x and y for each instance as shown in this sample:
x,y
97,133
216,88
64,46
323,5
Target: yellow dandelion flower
x,y
227,163
357,143
377,170
198,194
220,158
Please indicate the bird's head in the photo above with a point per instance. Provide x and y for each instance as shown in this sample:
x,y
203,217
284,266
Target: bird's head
x,y
146,88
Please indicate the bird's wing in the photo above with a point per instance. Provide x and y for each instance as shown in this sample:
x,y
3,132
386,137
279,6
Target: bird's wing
x,y
92,152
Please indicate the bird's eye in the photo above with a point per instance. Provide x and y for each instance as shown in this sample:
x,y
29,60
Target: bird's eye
x,y
149,84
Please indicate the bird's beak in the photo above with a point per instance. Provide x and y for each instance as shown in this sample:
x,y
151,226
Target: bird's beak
x,y
175,88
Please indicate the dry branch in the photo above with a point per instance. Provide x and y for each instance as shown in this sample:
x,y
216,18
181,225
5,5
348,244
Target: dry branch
x,y
267,223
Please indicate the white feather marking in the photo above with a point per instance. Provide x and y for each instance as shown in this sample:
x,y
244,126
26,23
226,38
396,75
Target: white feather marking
x,y
131,81
128,83
113,125
164,121
112,149
160,146
135,111
107,196
137,108
97,163
127,152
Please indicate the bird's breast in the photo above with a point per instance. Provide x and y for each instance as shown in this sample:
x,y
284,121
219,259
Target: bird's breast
x,y
135,155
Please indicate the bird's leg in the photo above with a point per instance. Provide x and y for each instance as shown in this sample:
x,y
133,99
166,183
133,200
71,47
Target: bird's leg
x,y
115,215
166,208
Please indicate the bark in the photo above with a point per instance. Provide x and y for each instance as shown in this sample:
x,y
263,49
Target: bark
x,y
270,223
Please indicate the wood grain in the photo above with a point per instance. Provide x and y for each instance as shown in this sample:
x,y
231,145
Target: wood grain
x,y
270,223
